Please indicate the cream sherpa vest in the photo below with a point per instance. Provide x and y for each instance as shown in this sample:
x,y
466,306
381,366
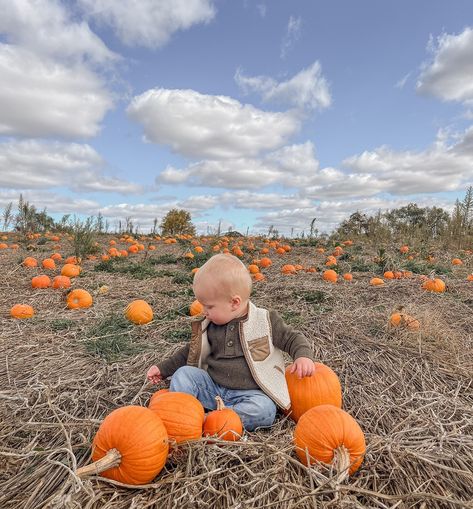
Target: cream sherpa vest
x,y
265,361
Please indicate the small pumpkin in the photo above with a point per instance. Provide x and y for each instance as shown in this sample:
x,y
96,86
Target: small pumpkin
x,y
182,414
330,435
347,276
401,319
79,298
41,282
434,285
29,261
288,269
22,311
376,281
223,423
457,261
131,446
330,275
139,312
61,282
196,308
48,263
70,270
265,262
322,387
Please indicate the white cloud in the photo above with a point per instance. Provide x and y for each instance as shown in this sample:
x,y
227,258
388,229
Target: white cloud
x,y
39,97
293,33
45,27
308,89
292,166
257,201
148,23
52,202
198,125
262,9
439,168
36,164
449,76
402,82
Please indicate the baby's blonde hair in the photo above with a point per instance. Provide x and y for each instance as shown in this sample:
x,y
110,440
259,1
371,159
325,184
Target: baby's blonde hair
x,y
226,275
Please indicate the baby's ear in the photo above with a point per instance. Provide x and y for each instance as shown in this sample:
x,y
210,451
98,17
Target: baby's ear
x,y
236,301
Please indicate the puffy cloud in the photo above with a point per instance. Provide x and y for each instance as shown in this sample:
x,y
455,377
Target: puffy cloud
x,y
439,168
292,166
308,89
216,127
39,97
257,201
292,35
449,76
36,164
45,27
149,23
52,202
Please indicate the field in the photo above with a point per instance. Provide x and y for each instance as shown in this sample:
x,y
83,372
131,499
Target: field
x,y
411,391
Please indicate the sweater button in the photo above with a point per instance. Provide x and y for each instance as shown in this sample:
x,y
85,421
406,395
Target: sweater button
x,y
230,343
231,327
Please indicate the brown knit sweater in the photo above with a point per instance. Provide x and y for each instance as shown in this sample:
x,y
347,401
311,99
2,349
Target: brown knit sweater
x,y
227,365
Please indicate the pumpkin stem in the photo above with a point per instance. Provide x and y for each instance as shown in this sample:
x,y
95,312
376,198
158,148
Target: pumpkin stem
x,y
220,403
110,460
341,462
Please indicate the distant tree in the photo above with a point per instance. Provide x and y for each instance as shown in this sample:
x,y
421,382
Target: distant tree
x,y
177,222
7,216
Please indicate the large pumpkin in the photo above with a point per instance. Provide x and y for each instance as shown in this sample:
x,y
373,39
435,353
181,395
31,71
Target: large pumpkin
x,y
131,446
322,387
330,435
224,423
181,413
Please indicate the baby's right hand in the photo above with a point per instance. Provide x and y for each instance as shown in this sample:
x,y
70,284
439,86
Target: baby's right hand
x,y
154,375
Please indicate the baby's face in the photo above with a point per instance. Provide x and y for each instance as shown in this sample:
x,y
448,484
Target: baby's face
x,y
217,309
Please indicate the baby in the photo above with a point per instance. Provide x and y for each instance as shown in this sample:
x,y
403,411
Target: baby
x,y
235,351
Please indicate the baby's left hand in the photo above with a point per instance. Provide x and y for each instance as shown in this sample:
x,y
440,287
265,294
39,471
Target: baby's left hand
x,y
303,366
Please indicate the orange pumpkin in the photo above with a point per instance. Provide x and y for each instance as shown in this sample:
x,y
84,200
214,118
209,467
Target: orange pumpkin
x,y
348,277
79,299
330,275
265,262
196,308
70,270
434,285
181,413
61,282
139,312
48,263
131,445
253,268
258,277
29,261
400,319
330,435
223,423
322,387
376,281
22,311
41,282
457,261
288,269
469,277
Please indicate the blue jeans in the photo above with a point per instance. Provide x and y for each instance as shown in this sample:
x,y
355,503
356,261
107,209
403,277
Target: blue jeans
x,y
252,405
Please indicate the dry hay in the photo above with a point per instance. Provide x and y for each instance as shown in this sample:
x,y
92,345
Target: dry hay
x,y
411,392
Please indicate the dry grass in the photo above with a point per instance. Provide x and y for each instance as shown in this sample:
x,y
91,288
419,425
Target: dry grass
x,y
411,392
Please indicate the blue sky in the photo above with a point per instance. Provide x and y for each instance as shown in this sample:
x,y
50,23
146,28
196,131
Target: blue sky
x,y
252,113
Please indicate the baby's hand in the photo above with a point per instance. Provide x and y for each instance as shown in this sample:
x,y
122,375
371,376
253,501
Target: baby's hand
x,y
154,375
303,366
